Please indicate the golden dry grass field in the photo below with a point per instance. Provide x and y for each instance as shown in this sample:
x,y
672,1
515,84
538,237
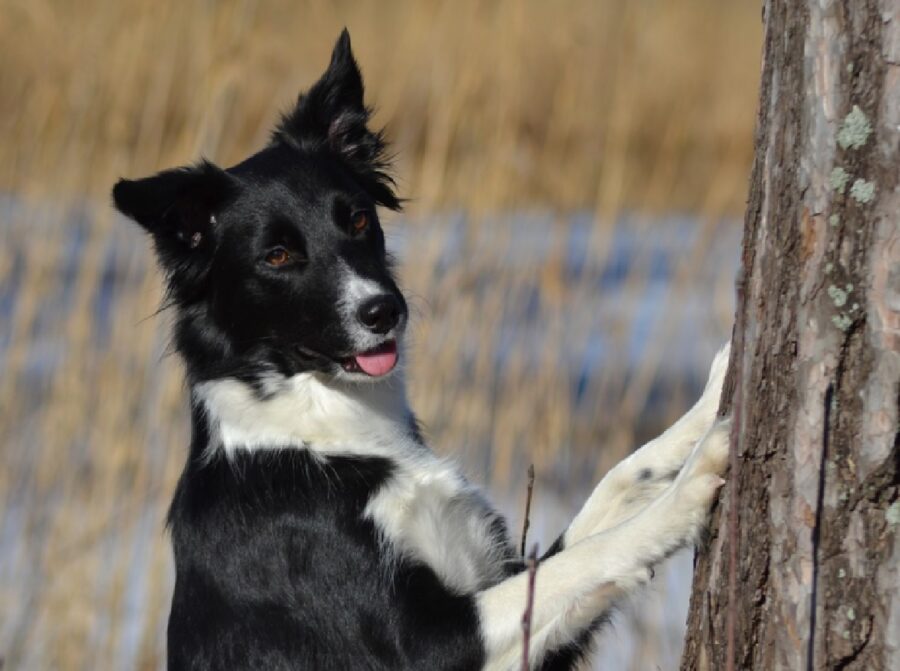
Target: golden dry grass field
x,y
492,104
576,173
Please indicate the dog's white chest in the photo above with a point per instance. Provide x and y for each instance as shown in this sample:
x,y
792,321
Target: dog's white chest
x,y
427,511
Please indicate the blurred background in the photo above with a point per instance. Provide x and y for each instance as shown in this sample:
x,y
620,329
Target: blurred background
x,y
576,173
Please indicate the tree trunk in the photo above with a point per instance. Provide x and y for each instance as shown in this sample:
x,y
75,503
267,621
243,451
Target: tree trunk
x,y
802,570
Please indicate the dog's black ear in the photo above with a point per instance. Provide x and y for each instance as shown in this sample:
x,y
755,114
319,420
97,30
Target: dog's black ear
x,y
333,116
178,208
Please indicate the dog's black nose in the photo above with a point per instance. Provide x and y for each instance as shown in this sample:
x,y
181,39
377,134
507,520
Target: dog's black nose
x,y
379,314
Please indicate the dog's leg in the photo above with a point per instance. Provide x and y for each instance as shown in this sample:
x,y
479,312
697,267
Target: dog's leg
x,y
643,475
582,582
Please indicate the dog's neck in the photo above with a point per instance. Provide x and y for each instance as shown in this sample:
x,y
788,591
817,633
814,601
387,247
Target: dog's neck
x,y
307,410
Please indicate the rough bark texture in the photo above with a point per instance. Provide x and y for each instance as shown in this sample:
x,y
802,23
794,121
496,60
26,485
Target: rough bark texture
x,y
802,570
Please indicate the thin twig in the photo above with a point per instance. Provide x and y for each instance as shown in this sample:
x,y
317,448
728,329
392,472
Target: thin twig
x,y
527,522
532,565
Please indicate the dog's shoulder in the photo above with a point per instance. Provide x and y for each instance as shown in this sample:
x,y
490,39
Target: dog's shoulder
x,y
427,511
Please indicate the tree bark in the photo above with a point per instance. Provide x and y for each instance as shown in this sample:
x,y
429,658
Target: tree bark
x,y
802,568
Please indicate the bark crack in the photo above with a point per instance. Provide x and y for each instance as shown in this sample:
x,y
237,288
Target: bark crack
x,y
817,530
848,660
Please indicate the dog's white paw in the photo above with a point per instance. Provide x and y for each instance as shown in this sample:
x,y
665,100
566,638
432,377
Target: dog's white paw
x,y
708,405
710,455
718,367
697,484
671,450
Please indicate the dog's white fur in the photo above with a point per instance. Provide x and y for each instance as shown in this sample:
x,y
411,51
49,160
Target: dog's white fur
x,y
309,410
638,514
355,291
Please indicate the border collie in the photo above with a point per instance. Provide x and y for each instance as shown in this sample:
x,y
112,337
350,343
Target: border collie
x,y
312,526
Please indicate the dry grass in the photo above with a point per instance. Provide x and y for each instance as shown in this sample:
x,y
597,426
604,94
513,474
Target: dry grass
x,y
600,105
603,104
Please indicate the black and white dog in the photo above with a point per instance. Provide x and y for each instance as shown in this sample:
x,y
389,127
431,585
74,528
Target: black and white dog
x,y
312,527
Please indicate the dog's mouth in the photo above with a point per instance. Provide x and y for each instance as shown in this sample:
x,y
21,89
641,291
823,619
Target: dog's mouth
x,y
375,362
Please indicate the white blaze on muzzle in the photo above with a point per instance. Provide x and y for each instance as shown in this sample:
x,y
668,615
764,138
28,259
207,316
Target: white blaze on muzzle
x,y
378,354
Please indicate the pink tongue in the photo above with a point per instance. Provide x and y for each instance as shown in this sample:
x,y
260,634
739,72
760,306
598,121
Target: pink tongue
x,y
377,364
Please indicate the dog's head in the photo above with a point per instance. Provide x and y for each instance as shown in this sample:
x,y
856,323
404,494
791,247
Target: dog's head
x,y
278,265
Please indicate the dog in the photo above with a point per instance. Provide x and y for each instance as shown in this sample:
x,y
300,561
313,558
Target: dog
x,y
312,526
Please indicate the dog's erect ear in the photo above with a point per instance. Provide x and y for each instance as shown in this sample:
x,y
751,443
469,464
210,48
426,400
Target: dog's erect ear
x,y
333,116
178,208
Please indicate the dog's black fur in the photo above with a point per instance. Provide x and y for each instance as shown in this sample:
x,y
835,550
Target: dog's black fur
x,y
278,569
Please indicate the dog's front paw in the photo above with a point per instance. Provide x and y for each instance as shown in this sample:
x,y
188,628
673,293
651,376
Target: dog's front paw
x,y
696,486
710,455
708,404
718,367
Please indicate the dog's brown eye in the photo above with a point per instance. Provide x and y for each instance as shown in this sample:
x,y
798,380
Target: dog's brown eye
x,y
359,221
278,257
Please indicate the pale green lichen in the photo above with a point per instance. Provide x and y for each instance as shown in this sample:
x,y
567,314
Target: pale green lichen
x,y
851,614
842,573
839,179
834,219
842,322
845,635
862,191
892,514
855,130
838,295
849,287
829,267
854,307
